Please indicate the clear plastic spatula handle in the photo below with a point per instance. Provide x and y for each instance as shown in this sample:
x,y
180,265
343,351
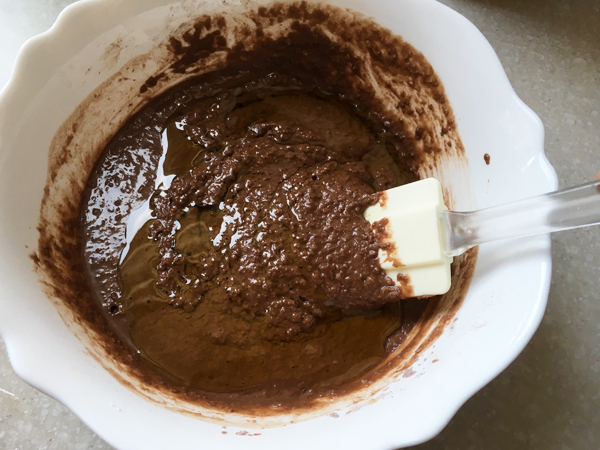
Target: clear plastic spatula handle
x,y
574,207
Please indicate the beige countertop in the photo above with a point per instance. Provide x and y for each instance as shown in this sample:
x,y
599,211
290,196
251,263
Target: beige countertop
x,y
549,398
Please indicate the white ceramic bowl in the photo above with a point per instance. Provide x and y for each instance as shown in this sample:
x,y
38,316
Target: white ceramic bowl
x,y
504,306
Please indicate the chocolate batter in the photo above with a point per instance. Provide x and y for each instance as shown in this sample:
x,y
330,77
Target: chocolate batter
x,y
255,265
221,229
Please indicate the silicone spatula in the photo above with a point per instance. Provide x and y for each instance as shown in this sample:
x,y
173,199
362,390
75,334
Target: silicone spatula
x,y
421,236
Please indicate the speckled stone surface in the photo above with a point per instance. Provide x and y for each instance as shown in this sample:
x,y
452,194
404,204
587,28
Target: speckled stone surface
x,y
549,398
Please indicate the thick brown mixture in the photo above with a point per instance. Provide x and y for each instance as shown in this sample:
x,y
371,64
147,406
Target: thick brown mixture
x,y
221,229
257,261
